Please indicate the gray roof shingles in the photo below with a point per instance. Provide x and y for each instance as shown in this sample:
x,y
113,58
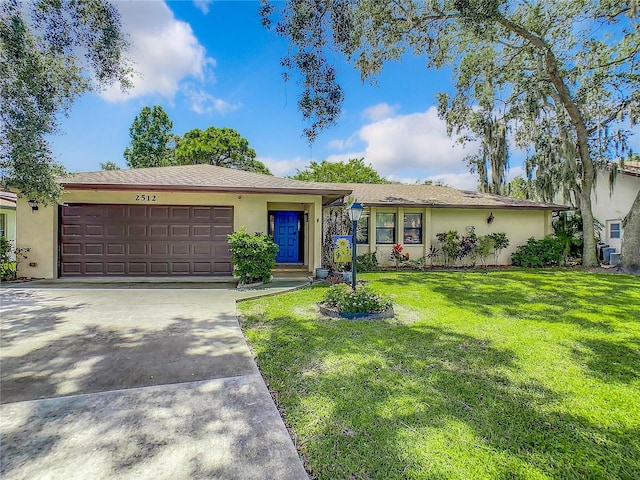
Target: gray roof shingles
x,y
219,179
194,177
437,197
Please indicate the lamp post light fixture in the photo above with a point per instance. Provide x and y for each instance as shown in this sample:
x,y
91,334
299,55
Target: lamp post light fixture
x,y
355,212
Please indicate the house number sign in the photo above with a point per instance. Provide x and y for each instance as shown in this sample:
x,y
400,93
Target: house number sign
x,y
145,197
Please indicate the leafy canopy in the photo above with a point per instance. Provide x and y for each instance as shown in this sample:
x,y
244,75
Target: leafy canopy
x,y
223,147
353,171
151,139
50,53
562,75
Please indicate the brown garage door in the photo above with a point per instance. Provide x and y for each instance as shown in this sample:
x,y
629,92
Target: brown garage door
x,y
145,240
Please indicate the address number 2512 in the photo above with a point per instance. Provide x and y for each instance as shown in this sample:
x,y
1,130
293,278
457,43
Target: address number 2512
x,y
145,198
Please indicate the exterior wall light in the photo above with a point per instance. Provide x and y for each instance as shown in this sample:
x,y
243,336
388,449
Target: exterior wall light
x,y
33,204
490,218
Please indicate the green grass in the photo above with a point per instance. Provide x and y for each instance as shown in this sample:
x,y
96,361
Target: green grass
x,y
513,374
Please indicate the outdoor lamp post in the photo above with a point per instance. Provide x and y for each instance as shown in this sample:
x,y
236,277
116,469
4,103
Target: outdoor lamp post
x,y
355,212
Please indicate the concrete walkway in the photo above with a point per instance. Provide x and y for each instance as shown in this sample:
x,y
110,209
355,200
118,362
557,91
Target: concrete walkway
x,y
134,383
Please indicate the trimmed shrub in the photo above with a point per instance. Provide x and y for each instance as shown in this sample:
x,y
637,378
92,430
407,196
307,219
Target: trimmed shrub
x,y
367,262
363,300
253,256
546,252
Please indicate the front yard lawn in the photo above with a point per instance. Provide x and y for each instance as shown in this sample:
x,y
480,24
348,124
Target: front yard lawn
x,y
510,374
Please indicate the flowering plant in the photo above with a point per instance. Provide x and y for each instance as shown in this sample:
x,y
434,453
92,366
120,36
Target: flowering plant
x,y
343,298
397,256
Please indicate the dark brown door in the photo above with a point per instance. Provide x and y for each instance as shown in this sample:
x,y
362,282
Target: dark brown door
x,y
145,240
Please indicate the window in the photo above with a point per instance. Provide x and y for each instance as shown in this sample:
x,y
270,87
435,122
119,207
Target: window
x,y
386,228
614,230
413,228
362,236
3,224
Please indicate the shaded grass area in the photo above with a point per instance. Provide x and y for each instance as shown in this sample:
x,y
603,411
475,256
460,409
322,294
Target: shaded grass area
x,y
513,374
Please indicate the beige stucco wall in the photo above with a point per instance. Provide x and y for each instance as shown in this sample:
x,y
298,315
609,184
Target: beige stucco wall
x,y
608,206
39,230
519,225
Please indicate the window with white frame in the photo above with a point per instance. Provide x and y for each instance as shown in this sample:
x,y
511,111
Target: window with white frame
x,y
385,228
614,230
412,228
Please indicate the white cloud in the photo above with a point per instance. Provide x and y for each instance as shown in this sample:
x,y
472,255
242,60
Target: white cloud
x,y
164,51
204,102
379,111
281,168
411,146
203,5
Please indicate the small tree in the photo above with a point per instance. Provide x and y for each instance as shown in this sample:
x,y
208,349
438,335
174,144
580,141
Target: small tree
x,y
484,248
450,242
253,256
500,242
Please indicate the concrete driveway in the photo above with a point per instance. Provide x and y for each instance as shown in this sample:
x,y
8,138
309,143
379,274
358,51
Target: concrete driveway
x,y
134,383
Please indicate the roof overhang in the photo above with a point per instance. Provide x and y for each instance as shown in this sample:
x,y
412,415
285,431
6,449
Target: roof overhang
x,y
328,195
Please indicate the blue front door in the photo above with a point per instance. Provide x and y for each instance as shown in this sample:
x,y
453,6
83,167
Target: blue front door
x,y
286,235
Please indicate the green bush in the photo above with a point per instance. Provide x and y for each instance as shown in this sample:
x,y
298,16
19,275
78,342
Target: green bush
x,y
8,266
546,252
367,262
253,256
363,300
500,242
450,244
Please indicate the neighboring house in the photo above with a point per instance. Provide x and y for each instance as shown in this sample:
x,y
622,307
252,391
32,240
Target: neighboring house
x,y
8,216
611,206
169,221
174,220
412,215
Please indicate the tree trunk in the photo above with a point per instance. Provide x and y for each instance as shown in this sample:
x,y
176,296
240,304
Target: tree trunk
x,y
630,255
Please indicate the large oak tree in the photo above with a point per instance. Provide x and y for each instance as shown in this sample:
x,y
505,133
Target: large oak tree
x,y
563,76
51,52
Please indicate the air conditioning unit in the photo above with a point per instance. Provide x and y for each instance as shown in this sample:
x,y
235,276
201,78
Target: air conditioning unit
x,y
606,254
614,258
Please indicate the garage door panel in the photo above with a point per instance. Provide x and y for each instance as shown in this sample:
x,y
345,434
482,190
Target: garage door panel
x,y
137,249
115,230
181,213
178,268
201,231
72,230
159,213
136,231
94,230
116,268
159,268
94,249
72,249
180,231
223,214
137,268
94,267
116,249
180,249
145,240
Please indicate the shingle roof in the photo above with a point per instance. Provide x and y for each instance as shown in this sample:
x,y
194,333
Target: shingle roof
x,y
437,197
196,178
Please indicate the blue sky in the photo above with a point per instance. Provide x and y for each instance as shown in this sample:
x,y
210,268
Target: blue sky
x,y
213,64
